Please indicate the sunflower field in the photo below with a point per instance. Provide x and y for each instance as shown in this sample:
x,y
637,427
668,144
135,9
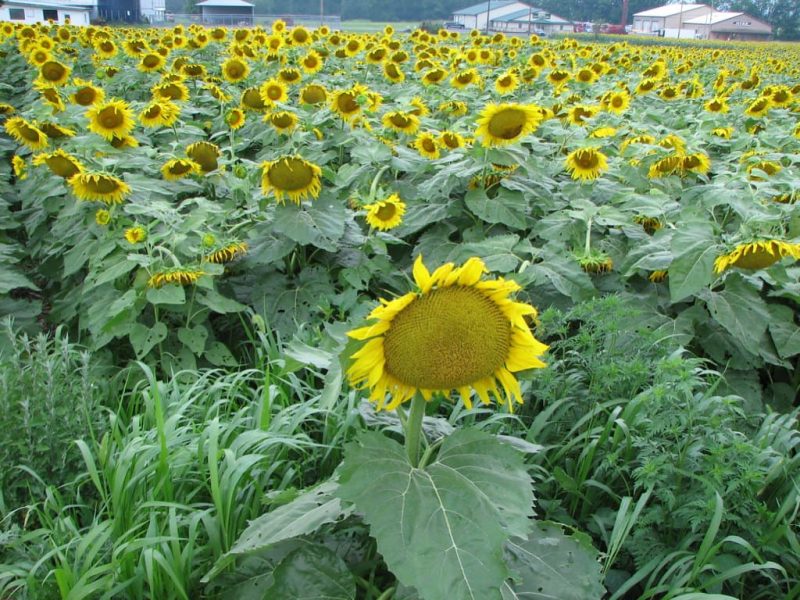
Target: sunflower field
x,y
299,314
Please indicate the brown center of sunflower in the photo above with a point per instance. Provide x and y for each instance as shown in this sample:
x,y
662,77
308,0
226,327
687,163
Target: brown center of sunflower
x,y
282,120
252,99
386,211
53,71
587,159
346,103
448,338
756,257
102,184
180,167
85,96
111,118
29,133
399,120
313,94
616,102
234,70
274,92
450,140
300,36
151,61
428,145
290,174
508,123
62,166
205,155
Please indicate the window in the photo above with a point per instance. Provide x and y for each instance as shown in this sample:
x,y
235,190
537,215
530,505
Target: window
x,y
16,14
50,15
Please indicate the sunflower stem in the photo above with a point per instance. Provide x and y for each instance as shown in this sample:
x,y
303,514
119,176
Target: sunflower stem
x,y
588,246
414,428
375,181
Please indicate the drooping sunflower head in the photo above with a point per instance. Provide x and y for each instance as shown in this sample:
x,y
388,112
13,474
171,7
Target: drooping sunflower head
x,y
586,163
401,121
26,133
226,252
696,163
385,214
205,154
53,72
458,332
758,254
503,124
177,168
282,121
110,119
291,176
20,167
61,163
99,187
157,114
178,276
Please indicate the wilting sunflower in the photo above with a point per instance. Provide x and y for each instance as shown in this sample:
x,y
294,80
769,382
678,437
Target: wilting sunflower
x,y
596,262
291,176
157,114
26,133
385,214
669,165
723,132
503,124
205,154
51,96
177,276
696,163
61,163
758,107
400,121
110,119
54,73
178,168
458,331
769,167
99,187
86,93
226,253
283,121
586,163
649,224
758,254
657,276
135,235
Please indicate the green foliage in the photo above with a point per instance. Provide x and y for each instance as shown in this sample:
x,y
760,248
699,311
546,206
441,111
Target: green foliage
x,y
51,393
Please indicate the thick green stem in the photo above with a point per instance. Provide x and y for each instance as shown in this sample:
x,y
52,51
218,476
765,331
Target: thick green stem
x,y
414,428
588,246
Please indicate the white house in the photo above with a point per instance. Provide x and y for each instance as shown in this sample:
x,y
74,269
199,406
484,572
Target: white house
x,y
42,11
669,20
478,16
729,26
531,20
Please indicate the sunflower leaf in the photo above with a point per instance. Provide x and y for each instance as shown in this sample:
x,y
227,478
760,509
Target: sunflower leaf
x,y
441,529
312,572
692,269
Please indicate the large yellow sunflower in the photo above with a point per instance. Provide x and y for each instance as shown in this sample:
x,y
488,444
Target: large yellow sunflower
x,y
458,331
503,124
291,176
385,214
99,187
110,119
758,254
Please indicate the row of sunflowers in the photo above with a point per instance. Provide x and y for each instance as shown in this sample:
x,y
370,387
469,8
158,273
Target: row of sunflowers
x,y
162,183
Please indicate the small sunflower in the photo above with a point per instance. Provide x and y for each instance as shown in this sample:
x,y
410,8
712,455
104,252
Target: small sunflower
x,y
205,154
171,90
506,83
311,63
235,118
503,124
235,70
723,132
61,163
452,140
110,119
649,224
157,114
99,187
291,176
617,102
178,276
658,276
427,145
458,332
135,235
20,168
716,105
393,73
385,214
758,254
178,168
226,253
586,163
401,122
26,133
102,217
669,165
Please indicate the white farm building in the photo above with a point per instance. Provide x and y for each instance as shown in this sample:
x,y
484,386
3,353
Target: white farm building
x,y
478,16
42,11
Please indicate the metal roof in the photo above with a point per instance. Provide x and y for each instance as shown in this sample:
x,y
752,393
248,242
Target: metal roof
x,y
712,18
38,4
226,3
522,15
669,10
483,7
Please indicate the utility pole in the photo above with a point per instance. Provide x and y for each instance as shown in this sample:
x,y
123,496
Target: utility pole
x,y
321,13
488,15
680,21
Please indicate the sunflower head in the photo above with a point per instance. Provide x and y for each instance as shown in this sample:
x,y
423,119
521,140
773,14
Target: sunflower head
x,y
225,253
135,235
178,168
758,254
178,276
235,69
459,331
26,133
385,214
503,124
61,163
53,72
586,163
110,119
205,154
314,94
291,176
99,187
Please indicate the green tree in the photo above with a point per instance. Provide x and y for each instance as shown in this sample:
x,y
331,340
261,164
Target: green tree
x,y
783,15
